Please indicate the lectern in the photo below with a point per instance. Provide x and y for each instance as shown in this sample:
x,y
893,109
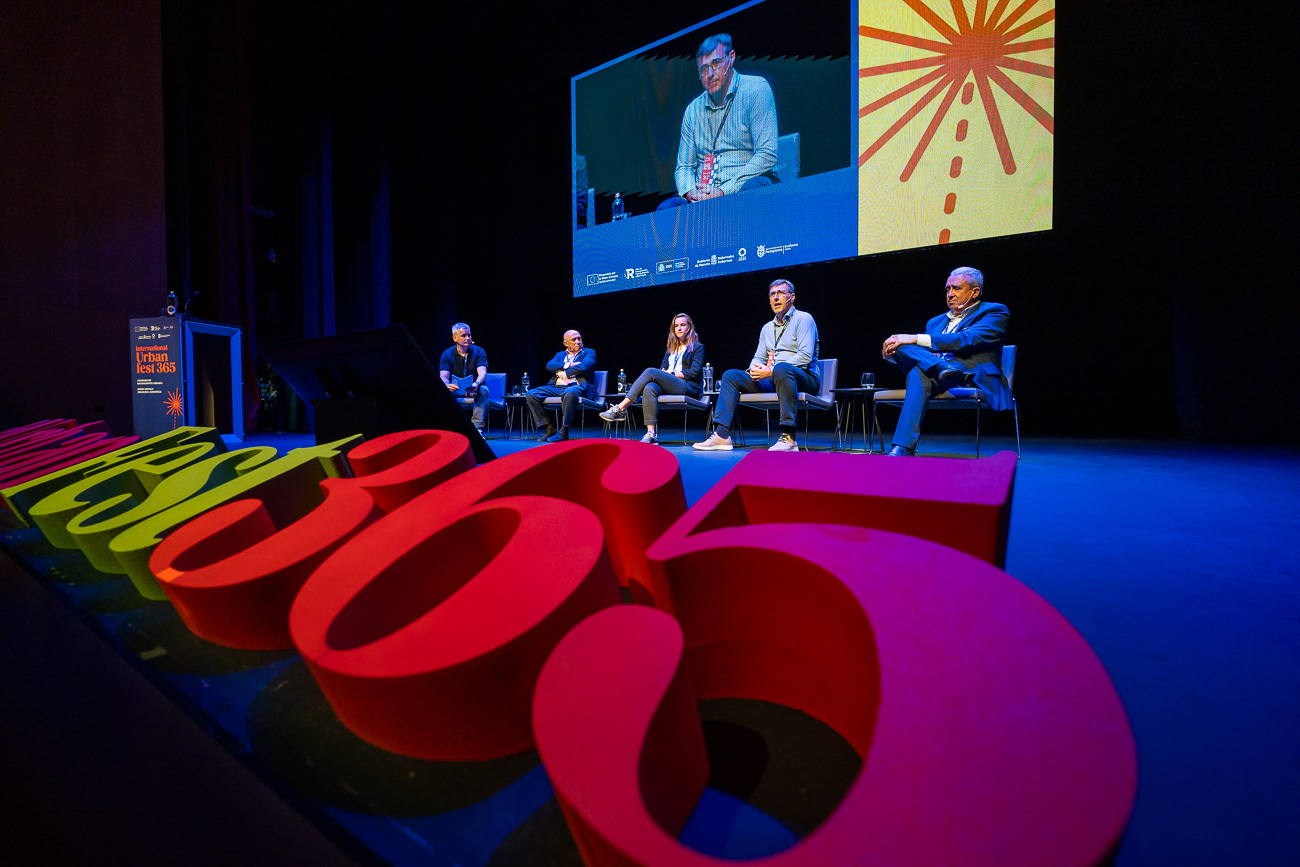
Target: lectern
x,y
186,371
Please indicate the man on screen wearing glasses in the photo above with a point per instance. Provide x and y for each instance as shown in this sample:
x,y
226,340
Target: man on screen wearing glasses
x,y
728,131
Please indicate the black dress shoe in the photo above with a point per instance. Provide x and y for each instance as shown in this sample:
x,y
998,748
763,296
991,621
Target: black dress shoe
x,y
951,375
546,435
899,452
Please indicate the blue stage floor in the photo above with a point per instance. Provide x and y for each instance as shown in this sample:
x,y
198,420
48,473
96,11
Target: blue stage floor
x,y
1176,561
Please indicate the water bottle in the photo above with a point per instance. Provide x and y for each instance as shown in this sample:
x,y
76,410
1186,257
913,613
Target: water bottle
x,y
622,382
525,382
619,213
708,377
170,309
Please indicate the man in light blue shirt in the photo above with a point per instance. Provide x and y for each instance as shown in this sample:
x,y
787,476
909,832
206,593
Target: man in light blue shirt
x,y
728,132
785,362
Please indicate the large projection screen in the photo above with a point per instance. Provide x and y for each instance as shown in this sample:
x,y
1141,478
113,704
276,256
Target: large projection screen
x,y
897,124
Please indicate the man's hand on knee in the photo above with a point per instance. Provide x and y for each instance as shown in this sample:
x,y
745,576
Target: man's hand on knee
x,y
893,341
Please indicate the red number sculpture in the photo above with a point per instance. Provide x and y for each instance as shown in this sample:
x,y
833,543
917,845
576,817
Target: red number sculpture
x,y
990,732
427,630
232,574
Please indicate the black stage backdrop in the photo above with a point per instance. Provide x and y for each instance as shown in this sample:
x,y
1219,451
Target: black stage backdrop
x,y
1172,203
407,162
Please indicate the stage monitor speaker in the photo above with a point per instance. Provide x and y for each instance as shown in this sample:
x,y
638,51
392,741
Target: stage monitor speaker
x,y
371,382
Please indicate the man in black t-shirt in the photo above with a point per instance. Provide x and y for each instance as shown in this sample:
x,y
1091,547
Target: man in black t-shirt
x,y
463,368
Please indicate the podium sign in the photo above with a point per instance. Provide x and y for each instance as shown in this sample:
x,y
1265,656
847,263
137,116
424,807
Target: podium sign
x,y
186,372
157,387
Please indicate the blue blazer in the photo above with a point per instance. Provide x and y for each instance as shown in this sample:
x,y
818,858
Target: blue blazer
x,y
583,370
693,367
978,338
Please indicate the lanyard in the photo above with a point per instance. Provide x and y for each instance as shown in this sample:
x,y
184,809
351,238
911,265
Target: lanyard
x,y
675,360
778,330
729,99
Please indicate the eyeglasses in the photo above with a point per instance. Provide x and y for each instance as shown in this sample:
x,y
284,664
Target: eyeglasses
x,y
714,66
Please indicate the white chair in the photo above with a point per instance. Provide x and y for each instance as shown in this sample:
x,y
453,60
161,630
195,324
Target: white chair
x,y
685,403
823,399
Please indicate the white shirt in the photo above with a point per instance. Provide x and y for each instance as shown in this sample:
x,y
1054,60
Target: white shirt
x,y
954,319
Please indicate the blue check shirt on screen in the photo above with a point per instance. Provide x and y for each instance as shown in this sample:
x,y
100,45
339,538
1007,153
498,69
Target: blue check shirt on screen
x,y
746,142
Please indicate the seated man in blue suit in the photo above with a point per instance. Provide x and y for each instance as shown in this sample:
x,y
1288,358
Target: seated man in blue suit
x,y
960,347
572,378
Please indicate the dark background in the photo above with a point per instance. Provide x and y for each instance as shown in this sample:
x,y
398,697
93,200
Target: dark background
x,y
407,162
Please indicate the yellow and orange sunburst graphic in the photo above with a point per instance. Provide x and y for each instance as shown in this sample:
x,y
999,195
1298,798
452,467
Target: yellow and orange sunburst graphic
x,y
939,165
175,406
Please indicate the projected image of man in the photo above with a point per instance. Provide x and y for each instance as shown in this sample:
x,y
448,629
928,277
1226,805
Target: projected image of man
x,y
728,132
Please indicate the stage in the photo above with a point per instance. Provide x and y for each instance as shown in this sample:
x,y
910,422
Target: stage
x,y
1173,560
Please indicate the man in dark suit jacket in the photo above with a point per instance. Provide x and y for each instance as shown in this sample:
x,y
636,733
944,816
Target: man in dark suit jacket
x,y
573,377
960,347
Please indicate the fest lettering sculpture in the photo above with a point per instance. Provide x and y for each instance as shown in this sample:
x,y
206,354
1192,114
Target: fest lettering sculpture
x,y
459,612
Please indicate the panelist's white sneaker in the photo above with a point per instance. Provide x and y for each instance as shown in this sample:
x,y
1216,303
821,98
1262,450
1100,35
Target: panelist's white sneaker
x,y
714,443
784,443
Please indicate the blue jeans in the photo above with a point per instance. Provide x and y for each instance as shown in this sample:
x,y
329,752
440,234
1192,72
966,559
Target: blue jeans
x,y
787,381
479,414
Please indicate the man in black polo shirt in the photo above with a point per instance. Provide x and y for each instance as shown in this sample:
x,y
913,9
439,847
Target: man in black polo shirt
x,y
464,367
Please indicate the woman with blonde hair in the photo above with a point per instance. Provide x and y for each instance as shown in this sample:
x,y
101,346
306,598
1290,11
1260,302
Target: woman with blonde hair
x,y
682,372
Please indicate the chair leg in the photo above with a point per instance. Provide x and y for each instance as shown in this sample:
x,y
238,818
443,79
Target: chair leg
x,y
871,443
977,429
875,424
1015,413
